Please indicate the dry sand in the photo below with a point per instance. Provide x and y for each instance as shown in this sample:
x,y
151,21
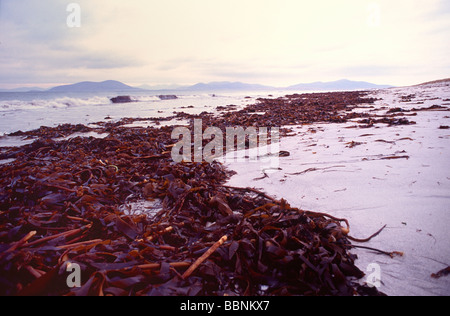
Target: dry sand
x,y
347,172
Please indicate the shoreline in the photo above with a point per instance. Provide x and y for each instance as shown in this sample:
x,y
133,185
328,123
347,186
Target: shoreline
x,y
152,153
374,176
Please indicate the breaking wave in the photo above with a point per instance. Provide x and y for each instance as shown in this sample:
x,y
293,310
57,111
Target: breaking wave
x,y
63,102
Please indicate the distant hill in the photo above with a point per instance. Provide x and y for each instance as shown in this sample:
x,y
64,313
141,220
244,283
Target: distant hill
x,y
436,82
226,85
88,86
162,87
116,86
337,85
316,86
24,89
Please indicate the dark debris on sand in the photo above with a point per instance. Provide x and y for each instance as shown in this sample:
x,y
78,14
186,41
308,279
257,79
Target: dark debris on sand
x,y
60,203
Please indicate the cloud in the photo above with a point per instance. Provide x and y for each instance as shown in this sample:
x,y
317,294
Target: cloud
x,y
274,42
33,21
38,46
442,8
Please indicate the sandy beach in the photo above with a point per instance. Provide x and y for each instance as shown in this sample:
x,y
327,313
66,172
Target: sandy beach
x,y
350,172
109,198
224,150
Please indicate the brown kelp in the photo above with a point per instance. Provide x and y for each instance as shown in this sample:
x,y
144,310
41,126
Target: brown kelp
x,y
61,203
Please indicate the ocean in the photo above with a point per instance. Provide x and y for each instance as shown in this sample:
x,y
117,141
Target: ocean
x,y
25,111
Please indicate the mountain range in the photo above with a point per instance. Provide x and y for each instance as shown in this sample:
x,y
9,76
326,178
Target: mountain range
x,y
337,85
116,86
88,86
24,89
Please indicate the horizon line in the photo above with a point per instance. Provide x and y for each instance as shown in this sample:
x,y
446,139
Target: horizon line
x,y
177,86
47,87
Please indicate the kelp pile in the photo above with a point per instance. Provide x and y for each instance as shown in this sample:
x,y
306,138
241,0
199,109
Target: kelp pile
x,y
296,109
61,204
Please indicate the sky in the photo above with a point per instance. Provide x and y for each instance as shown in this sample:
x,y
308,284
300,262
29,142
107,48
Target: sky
x,y
273,42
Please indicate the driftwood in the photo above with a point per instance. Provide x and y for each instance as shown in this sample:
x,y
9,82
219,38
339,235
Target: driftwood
x,y
200,260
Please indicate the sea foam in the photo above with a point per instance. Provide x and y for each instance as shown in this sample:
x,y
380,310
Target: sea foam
x,y
63,102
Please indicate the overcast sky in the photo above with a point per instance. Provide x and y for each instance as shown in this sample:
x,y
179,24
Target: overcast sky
x,y
273,42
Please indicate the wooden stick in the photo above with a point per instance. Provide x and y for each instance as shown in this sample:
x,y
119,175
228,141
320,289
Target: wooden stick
x,y
166,230
34,272
205,256
74,218
83,243
64,234
25,239
19,243
156,266
169,248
